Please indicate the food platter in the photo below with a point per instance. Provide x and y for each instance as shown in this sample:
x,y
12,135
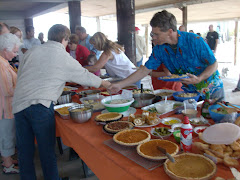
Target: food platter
x,y
148,125
161,132
200,129
145,119
170,121
199,121
68,105
174,77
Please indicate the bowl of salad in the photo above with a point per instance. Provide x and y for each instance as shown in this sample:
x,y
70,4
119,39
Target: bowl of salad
x,y
218,113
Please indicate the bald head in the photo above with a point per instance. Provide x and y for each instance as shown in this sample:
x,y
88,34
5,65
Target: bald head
x,y
3,28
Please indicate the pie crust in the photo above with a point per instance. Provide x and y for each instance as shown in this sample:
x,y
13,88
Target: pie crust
x,y
116,126
149,149
190,166
131,137
108,116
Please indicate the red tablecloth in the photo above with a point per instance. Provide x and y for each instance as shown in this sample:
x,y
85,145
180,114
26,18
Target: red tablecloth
x,y
87,140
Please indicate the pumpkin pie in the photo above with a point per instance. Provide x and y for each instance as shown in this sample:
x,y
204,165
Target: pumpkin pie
x,y
117,126
131,137
108,117
149,149
190,166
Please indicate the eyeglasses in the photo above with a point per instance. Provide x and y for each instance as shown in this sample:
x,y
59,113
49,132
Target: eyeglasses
x,y
153,34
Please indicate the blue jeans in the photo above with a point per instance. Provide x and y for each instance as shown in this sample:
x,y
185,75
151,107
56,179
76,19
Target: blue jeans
x,y
36,121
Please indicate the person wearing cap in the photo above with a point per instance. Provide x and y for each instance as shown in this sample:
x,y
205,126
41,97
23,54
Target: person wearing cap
x,y
140,47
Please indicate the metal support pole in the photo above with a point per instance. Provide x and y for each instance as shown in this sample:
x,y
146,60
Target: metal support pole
x,y
184,16
126,27
74,8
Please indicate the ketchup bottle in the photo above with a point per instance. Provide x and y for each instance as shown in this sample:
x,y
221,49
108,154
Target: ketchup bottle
x,y
186,135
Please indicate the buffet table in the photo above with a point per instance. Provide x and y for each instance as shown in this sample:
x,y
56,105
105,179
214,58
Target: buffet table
x,y
87,140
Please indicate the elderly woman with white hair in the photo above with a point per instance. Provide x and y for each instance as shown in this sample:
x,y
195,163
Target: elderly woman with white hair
x,y
9,45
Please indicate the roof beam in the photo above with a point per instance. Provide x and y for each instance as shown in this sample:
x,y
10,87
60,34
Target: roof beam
x,y
36,1
167,6
44,8
10,15
175,5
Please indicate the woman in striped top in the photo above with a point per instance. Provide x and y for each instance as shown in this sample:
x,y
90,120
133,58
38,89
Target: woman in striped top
x,y
9,45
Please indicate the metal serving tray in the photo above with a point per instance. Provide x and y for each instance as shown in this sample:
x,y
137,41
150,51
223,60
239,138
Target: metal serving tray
x,y
64,116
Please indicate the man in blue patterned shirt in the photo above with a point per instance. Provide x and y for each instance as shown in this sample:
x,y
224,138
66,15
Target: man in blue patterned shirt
x,y
181,53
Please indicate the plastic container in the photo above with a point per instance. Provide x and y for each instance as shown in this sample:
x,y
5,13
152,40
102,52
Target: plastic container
x,y
186,135
163,107
223,133
190,104
177,135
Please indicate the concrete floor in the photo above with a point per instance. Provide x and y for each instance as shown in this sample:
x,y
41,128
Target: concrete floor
x,y
74,170
66,168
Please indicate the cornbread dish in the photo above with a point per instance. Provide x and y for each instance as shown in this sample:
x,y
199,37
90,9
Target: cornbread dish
x,y
149,149
131,137
108,117
117,126
147,117
190,166
63,110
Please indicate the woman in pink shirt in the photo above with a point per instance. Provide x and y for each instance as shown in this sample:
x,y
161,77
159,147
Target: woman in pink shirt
x,y
9,45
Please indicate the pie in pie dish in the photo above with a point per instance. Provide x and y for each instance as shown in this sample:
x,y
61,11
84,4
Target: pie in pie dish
x,y
108,117
149,149
131,137
116,126
190,166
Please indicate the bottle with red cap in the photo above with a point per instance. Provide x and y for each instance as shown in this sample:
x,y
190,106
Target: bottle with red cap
x,y
186,135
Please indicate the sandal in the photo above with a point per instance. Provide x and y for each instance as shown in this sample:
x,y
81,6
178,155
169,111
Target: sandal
x,y
15,162
11,170
236,90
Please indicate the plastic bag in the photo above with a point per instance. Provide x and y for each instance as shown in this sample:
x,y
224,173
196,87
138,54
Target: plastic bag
x,y
229,118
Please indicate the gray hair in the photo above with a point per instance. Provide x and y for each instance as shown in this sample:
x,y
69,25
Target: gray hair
x,y
9,41
164,20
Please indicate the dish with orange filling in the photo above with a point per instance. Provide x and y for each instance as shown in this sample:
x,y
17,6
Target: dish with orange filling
x,y
149,149
131,137
190,166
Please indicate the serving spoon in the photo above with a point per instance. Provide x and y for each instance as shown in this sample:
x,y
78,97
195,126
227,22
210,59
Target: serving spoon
x,y
229,110
165,153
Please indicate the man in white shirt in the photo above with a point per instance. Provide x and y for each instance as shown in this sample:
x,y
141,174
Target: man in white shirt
x,y
140,47
42,75
30,41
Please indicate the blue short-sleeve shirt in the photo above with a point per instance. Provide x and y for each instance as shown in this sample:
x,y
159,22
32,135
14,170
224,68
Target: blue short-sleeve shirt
x,y
193,56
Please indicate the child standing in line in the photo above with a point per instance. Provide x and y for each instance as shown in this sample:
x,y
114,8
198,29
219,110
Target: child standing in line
x,y
92,59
